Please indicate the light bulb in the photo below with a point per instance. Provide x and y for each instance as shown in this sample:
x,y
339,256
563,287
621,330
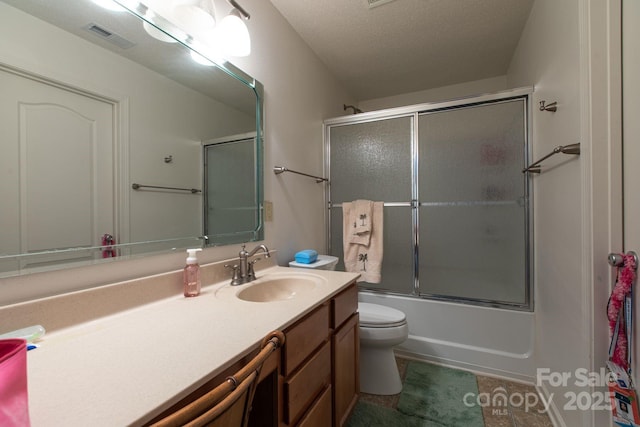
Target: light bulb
x,y
193,19
235,35
201,59
157,34
207,54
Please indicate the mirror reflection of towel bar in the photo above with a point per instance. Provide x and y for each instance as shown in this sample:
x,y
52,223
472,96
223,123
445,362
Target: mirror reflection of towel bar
x,y
280,169
565,149
139,186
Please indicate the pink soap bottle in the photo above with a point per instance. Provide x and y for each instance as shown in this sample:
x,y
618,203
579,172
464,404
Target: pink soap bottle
x,y
191,275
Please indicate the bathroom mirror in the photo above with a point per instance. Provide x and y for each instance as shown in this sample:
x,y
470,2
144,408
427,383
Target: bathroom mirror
x,y
101,144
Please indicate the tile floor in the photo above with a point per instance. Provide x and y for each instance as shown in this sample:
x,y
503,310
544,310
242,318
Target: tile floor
x,y
516,404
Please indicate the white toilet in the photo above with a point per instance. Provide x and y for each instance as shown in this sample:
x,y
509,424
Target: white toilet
x,y
381,328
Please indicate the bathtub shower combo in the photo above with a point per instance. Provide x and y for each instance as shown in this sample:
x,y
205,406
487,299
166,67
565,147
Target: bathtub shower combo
x,y
457,223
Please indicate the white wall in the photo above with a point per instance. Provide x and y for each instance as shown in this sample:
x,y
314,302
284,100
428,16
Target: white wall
x,y
548,57
444,93
299,94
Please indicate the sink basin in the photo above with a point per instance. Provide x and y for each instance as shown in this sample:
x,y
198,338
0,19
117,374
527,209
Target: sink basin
x,y
277,288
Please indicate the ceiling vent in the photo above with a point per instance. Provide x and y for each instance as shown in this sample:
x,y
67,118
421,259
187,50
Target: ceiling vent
x,y
108,35
376,3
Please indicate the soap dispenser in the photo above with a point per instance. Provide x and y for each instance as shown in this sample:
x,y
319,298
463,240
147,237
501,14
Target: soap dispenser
x,y
191,274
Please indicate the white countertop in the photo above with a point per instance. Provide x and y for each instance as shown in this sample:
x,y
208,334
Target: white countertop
x,y
125,368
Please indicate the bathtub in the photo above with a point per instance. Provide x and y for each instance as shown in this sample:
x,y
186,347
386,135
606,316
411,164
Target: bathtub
x,y
490,341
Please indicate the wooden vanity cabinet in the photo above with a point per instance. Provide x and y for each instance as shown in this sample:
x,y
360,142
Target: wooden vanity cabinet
x,y
345,358
311,381
306,364
320,364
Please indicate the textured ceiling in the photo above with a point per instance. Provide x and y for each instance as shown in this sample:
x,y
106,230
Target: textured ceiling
x,y
409,45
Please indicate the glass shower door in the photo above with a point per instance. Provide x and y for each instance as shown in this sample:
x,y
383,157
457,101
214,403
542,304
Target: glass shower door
x,y
372,161
473,203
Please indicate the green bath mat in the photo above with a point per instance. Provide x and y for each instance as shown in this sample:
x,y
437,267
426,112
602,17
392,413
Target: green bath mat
x,y
367,414
435,394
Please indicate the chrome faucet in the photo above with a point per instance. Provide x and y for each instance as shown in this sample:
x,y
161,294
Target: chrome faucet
x,y
244,273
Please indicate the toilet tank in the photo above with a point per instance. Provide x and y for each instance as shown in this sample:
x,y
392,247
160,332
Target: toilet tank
x,y
324,262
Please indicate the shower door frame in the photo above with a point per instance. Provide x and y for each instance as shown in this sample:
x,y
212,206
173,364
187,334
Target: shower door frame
x,y
414,111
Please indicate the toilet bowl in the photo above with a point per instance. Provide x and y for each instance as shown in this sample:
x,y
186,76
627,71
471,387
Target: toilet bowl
x,y
381,328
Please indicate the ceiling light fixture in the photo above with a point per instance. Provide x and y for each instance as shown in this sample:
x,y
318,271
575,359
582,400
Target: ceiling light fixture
x,y
197,19
234,34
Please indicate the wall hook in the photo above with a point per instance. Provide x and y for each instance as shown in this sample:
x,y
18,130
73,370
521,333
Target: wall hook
x,y
553,107
168,159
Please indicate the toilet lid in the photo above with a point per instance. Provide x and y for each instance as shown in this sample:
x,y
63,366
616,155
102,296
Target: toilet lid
x,y
375,315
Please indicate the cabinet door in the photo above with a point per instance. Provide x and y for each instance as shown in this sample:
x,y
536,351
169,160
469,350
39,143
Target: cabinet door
x,y
346,380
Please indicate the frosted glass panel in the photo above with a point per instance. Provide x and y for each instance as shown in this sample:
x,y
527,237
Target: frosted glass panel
x,y
230,192
397,262
371,161
467,237
472,203
474,153
473,252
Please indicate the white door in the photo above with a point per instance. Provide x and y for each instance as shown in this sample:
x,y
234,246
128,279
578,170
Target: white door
x,y
631,144
56,168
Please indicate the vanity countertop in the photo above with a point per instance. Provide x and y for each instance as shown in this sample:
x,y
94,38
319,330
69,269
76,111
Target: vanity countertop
x,y
124,368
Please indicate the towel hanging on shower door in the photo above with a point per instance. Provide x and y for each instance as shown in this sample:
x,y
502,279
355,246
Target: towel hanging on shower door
x,y
363,249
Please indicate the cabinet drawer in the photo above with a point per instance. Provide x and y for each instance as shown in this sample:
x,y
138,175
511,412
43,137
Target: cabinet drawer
x,y
304,337
320,413
303,387
344,305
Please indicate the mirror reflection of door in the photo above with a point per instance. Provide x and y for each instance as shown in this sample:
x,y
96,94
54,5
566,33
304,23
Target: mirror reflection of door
x,y
62,134
231,211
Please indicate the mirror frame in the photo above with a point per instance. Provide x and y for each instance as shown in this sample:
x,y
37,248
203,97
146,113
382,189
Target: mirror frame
x,y
177,244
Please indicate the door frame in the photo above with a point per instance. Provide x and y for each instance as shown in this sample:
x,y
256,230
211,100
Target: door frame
x,y
601,139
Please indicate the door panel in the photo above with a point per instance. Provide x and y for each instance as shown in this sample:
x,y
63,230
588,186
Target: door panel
x,y
64,134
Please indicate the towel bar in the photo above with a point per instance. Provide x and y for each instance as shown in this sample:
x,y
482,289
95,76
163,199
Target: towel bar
x,y
139,186
280,169
566,149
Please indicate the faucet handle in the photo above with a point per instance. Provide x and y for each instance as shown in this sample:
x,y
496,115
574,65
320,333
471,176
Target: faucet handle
x,y
251,274
235,279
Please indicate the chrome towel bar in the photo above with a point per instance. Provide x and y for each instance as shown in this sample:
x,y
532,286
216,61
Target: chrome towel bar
x,y
280,169
566,149
139,186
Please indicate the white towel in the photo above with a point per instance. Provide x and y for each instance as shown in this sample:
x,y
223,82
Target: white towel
x,y
360,219
364,259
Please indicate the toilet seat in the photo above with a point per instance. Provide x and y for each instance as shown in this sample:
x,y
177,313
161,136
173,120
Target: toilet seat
x,y
380,316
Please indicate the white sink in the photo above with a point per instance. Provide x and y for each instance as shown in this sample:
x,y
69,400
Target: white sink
x,y
279,287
